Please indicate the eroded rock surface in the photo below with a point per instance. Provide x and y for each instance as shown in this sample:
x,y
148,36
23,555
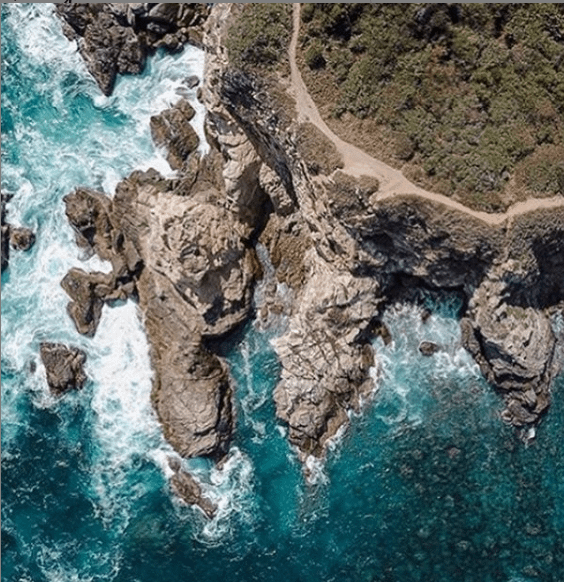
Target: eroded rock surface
x,y
185,249
64,367
514,347
189,490
326,357
172,129
116,38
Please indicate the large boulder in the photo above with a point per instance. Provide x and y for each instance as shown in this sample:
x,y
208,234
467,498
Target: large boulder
x,y
172,130
64,367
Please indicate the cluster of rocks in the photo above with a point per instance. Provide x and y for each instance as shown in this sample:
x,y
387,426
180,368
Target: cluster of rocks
x,y
391,240
17,237
115,38
185,249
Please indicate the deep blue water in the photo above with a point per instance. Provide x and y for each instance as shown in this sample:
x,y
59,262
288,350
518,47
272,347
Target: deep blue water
x,y
427,485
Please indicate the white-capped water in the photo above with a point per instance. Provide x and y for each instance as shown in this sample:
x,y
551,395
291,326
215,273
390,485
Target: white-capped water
x,y
406,377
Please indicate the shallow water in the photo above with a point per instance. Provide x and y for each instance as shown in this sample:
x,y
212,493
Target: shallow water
x,y
427,485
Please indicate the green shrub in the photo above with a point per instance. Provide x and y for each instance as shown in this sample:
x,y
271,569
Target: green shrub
x,y
472,93
314,55
260,35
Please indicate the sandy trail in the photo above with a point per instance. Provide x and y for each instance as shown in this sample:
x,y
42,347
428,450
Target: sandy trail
x,y
392,182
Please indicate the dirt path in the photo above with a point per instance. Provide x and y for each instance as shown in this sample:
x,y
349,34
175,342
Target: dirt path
x,y
392,182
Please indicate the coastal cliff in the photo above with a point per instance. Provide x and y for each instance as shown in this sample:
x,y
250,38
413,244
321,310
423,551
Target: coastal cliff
x,y
345,242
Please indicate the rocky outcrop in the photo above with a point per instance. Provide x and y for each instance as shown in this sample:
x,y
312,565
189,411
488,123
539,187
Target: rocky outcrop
x,y
116,38
171,129
326,356
514,347
181,250
185,249
17,237
64,367
189,490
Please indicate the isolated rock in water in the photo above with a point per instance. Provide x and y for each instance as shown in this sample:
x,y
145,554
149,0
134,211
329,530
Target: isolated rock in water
x,y
21,239
171,129
87,291
428,348
189,490
64,366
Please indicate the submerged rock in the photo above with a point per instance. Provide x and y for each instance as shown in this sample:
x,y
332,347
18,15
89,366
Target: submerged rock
x,y
189,490
428,348
64,367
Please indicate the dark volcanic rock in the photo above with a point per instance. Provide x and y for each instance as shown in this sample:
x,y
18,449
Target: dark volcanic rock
x,y
189,490
172,129
428,348
64,366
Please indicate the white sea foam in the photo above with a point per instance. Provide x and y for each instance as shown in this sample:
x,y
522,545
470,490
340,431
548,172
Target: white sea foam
x,y
405,373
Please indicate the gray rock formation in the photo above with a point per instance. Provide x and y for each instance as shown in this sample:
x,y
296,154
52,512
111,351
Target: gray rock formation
x,y
514,347
325,356
64,367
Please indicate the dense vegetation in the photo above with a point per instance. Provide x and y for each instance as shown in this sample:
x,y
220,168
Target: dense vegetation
x,y
259,36
470,96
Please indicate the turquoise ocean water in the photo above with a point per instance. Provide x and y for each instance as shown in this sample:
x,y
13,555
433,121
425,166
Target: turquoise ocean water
x,y
427,485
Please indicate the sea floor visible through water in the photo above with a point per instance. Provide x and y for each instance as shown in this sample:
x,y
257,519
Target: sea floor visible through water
x,y
427,485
